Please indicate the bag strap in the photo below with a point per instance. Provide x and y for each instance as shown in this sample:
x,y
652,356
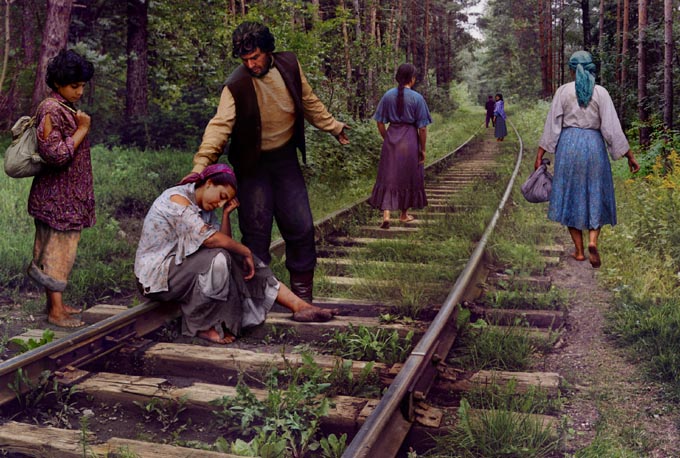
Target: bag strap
x,y
56,100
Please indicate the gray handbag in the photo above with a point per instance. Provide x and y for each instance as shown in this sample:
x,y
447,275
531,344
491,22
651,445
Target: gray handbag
x,y
538,186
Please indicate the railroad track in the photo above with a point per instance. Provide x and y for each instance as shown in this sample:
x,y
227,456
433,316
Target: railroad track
x,y
129,364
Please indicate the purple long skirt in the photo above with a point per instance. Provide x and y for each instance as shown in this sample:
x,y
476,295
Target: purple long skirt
x,y
400,182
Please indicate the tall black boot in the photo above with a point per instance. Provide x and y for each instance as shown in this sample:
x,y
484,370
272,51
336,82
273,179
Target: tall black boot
x,y
302,284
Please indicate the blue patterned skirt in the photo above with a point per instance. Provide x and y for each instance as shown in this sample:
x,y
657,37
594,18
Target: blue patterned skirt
x,y
583,189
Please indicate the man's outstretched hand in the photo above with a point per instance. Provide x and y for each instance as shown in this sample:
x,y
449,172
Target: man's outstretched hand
x,y
342,136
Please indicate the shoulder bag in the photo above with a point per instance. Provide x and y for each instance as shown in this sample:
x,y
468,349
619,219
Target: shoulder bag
x,y
21,157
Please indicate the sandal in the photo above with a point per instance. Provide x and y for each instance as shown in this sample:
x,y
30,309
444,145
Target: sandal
x,y
408,219
385,224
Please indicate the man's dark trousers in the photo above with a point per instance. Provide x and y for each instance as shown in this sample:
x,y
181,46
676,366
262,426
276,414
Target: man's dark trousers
x,y
276,190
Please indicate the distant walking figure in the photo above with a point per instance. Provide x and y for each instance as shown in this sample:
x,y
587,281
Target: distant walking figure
x,y
581,123
501,131
490,104
400,182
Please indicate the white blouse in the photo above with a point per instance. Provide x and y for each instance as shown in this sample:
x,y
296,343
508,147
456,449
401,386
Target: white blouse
x,y
170,231
600,114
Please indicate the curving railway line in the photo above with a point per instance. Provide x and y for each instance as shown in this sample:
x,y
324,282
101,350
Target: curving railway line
x,y
130,359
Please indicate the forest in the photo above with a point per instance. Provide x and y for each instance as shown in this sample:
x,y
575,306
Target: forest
x,y
160,64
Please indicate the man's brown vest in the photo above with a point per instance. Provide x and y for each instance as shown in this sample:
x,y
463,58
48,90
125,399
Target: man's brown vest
x,y
246,138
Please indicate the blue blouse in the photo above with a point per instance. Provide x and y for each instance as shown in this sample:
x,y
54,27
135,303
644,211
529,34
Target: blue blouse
x,y
416,111
499,109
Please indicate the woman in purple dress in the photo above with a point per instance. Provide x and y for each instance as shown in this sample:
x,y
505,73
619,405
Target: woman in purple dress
x,y
62,195
400,181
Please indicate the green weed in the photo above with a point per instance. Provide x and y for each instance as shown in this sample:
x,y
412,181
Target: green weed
x,y
369,344
333,446
497,433
30,344
164,411
554,299
288,419
480,347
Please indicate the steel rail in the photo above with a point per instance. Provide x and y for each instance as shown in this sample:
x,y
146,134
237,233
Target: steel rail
x,y
393,415
21,373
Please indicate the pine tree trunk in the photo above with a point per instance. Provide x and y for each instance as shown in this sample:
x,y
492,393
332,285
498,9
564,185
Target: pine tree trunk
x,y
371,26
8,35
137,86
561,62
136,102
600,26
617,67
643,111
585,17
625,13
397,38
346,53
54,39
668,64
426,58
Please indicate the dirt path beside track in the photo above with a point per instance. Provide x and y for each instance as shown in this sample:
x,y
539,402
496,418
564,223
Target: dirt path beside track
x,y
608,394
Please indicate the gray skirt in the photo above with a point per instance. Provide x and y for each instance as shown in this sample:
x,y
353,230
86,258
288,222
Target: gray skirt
x,y
212,293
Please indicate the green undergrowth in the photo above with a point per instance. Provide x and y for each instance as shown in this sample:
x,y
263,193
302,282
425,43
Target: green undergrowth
x,y
484,347
508,396
553,299
496,432
370,344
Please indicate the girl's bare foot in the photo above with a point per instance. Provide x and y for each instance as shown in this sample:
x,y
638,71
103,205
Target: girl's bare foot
x,y
65,321
212,335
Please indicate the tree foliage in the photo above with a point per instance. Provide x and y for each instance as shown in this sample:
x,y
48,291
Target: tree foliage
x,y
513,64
349,50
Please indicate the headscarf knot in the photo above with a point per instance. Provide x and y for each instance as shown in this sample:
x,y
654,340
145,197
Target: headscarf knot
x,y
210,171
582,63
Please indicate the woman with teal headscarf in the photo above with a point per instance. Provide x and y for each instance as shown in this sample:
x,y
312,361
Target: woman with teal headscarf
x,y
581,126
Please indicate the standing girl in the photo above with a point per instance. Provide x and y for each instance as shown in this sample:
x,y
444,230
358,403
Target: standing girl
x,y
400,182
499,116
62,196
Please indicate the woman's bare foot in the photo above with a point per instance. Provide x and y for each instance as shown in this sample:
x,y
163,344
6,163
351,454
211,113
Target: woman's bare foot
x,y
595,260
65,321
212,335
314,314
578,257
